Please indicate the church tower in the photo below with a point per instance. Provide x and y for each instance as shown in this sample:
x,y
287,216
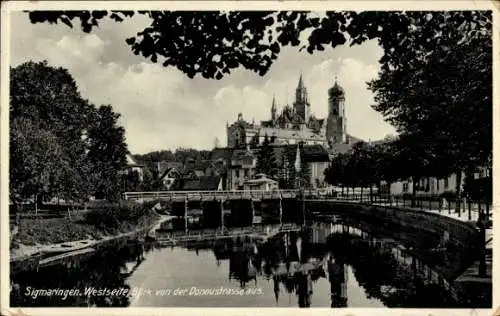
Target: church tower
x,y
336,121
301,104
274,110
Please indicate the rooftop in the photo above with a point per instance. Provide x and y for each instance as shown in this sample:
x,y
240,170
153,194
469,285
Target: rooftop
x,y
208,183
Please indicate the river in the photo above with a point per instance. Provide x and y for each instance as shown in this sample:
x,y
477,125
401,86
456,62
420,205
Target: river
x,y
327,265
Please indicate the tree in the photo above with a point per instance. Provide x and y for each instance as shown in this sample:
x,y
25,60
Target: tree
x,y
37,160
334,172
130,181
305,174
212,43
107,151
60,143
49,122
254,142
266,161
445,97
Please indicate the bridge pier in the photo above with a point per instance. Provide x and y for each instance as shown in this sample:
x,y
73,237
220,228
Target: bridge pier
x,y
242,213
270,209
292,211
212,214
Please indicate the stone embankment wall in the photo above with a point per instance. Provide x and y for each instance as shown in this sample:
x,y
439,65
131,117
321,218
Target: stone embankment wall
x,y
460,233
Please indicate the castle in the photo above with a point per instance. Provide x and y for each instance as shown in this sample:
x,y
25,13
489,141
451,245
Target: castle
x,y
296,124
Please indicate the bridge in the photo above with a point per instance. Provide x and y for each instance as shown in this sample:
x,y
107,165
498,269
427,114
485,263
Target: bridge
x,y
287,205
179,196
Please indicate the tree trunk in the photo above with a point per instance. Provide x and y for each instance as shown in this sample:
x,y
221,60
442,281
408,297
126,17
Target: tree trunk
x,y
361,196
15,203
458,190
414,191
371,193
39,200
482,250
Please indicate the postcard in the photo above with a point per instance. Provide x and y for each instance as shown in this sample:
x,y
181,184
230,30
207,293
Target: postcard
x,y
275,157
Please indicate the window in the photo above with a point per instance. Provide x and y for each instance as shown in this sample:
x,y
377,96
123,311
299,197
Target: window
x,y
446,183
237,173
246,173
405,187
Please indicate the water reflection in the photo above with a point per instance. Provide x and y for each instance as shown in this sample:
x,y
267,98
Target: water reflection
x,y
72,283
324,265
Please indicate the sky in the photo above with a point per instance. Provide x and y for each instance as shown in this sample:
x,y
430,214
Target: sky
x,y
161,108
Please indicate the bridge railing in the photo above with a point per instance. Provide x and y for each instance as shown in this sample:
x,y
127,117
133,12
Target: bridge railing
x,y
193,195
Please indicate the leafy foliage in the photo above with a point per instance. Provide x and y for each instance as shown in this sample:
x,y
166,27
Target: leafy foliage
x,y
61,145
212,43
107,151
266,160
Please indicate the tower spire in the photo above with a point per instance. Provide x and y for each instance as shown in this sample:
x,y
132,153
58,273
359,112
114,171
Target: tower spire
x,y
301,82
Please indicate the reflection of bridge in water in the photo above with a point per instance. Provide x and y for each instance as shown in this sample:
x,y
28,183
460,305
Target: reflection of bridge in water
x,y
262,232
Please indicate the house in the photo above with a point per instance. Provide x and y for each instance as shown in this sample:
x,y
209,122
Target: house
x,y
171,178
242,167
133,166
261,182
203,183
434,186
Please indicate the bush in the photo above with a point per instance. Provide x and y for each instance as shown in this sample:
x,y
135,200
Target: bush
x,y
113,216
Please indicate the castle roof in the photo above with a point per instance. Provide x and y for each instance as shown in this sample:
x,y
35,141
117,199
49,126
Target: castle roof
x,y
308,153
305,134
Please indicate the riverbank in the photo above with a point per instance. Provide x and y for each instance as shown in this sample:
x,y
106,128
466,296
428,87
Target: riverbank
x,y
58,235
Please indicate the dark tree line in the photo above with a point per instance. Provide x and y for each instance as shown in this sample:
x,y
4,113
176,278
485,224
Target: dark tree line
x,y
368,166
61,145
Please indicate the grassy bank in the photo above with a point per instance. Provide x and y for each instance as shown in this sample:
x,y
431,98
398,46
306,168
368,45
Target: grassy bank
x,y
96,223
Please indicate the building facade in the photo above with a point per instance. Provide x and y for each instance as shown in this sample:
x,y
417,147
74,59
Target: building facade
x,y
241,167
295,124
434,186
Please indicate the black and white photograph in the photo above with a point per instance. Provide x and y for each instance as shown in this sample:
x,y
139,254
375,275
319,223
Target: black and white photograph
x,y
280,156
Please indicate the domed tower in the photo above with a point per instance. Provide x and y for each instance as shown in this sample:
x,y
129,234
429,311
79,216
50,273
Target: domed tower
x,y
336,121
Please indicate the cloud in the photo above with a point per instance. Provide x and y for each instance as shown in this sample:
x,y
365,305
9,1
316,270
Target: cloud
x,y
162,109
